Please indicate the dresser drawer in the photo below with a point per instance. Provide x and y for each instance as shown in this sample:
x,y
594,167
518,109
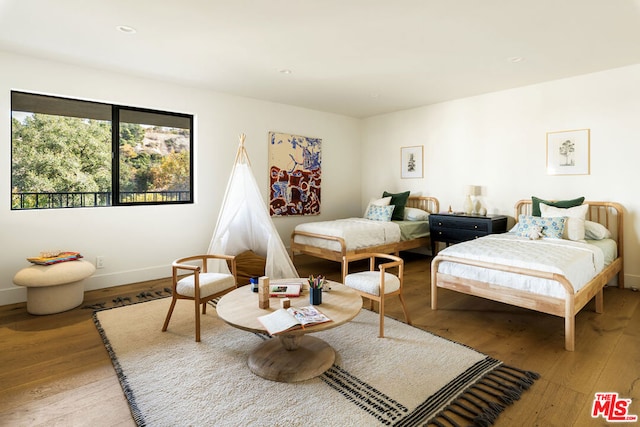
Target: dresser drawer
x,y
462,224
455,228
452,235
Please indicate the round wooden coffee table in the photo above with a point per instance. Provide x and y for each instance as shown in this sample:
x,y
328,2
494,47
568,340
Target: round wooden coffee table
x,y
292,355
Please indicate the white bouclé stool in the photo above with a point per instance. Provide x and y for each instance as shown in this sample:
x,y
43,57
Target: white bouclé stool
x,y
54,288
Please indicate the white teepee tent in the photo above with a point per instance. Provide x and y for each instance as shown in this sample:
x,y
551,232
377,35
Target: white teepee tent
x,y
244,223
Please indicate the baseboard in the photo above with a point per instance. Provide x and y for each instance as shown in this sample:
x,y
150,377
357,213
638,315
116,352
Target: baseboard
x,y
632,281
108,280
13,295
98,280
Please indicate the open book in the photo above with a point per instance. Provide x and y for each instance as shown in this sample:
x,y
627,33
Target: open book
x,y
292,318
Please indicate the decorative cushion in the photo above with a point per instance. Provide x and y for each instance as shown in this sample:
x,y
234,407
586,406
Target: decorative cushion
x,y
535,204
385,201
574,227
399,200
595,231
551,227
380,213
415,214
210,283
369,282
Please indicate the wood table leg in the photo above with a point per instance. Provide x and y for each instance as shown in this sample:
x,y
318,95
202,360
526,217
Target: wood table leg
x,y
291,358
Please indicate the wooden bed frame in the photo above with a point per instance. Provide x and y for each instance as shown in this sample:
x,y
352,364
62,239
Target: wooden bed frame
x,y
429,204
608,214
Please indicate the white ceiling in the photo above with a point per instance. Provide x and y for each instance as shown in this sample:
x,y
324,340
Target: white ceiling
x,y
353,57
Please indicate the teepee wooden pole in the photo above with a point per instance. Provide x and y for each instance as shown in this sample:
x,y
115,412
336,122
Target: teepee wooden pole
x,y
242,151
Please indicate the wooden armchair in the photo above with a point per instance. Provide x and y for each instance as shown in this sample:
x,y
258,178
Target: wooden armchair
x,y
376,285
199,285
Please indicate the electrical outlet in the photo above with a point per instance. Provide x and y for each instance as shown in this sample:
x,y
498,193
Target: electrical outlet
x,y
99,262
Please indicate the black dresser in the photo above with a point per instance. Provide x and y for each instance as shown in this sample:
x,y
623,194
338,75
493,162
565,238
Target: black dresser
x,y
452,228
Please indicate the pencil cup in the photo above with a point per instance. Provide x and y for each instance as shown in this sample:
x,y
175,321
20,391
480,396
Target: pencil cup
x,y
315,296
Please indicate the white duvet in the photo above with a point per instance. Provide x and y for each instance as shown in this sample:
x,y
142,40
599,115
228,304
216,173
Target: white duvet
x,y
357,233
579,262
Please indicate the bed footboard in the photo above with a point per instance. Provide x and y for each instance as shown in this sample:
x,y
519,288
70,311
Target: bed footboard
x,y
317,251
566,307
426,203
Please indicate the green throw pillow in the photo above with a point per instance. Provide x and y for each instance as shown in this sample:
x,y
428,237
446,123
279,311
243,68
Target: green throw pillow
x,y
399,200
535,204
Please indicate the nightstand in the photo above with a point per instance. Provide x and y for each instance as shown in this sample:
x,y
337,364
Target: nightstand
x,y
453,228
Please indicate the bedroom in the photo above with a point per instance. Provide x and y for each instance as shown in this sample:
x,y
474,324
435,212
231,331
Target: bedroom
x,y
500,146
503,141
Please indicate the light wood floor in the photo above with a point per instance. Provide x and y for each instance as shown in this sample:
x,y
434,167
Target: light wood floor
x,y
54,369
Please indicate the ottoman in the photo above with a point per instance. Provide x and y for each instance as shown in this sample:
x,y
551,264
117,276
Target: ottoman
x,y
54,288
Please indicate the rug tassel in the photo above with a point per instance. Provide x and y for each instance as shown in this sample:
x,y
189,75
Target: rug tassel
x,y
515,392
453,423
524,382
460,414
529,374
483,421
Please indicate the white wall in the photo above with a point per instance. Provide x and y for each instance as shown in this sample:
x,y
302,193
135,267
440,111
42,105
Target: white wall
x,y
139,243
498,141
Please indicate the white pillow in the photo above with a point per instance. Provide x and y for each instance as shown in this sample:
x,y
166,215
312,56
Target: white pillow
x,y
415,214
385,201
595,231
574,228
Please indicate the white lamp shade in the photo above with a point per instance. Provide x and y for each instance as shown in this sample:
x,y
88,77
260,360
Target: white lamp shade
x,y
474,190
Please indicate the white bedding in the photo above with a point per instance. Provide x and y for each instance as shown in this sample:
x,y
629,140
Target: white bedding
x,y
357,233
579,262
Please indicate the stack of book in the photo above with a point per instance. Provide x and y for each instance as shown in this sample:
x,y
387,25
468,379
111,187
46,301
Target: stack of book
x,y
54,258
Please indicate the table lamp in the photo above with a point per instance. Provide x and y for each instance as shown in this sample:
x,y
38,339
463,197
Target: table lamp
x,y
472,207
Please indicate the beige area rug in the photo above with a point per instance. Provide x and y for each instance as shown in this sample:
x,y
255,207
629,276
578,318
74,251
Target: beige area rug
x,y
408,378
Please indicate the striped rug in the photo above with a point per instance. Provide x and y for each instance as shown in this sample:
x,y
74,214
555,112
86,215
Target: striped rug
x,y
408,378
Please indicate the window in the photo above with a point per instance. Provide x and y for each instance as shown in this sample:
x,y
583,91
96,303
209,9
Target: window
x,y
68,153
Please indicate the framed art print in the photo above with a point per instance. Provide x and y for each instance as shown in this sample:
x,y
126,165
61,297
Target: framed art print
x,y
295,174
411,162
568,152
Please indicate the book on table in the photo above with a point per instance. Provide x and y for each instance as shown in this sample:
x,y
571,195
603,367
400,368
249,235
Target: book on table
x,y
284,289
283,320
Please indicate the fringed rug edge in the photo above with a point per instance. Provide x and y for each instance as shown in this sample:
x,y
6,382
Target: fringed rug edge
x,y
136,413
491,386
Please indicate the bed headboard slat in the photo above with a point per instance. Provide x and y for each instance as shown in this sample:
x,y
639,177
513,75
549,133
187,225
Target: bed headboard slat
x,y
426,203
609,214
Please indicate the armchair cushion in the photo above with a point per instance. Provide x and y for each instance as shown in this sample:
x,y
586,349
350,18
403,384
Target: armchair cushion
x,y
369,282
210,283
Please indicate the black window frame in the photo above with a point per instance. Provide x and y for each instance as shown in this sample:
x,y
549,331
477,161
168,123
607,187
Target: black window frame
x,y
115,112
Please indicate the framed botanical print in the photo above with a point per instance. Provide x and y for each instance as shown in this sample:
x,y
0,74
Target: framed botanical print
x,y
411,165
568,152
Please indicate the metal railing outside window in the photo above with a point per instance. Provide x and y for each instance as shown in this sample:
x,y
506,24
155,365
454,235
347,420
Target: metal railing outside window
x,y
23,201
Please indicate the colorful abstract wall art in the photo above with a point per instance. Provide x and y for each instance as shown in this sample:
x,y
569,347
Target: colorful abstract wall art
x,y
295,168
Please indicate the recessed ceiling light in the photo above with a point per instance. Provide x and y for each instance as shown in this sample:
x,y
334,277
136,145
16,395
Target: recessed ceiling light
x,y
126,29
285,71
515,59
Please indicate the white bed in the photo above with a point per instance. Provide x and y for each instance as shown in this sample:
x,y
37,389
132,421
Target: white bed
x,y
554,276
333,240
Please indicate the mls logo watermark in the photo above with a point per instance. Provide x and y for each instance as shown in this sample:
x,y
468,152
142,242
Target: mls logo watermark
x,y
612,408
